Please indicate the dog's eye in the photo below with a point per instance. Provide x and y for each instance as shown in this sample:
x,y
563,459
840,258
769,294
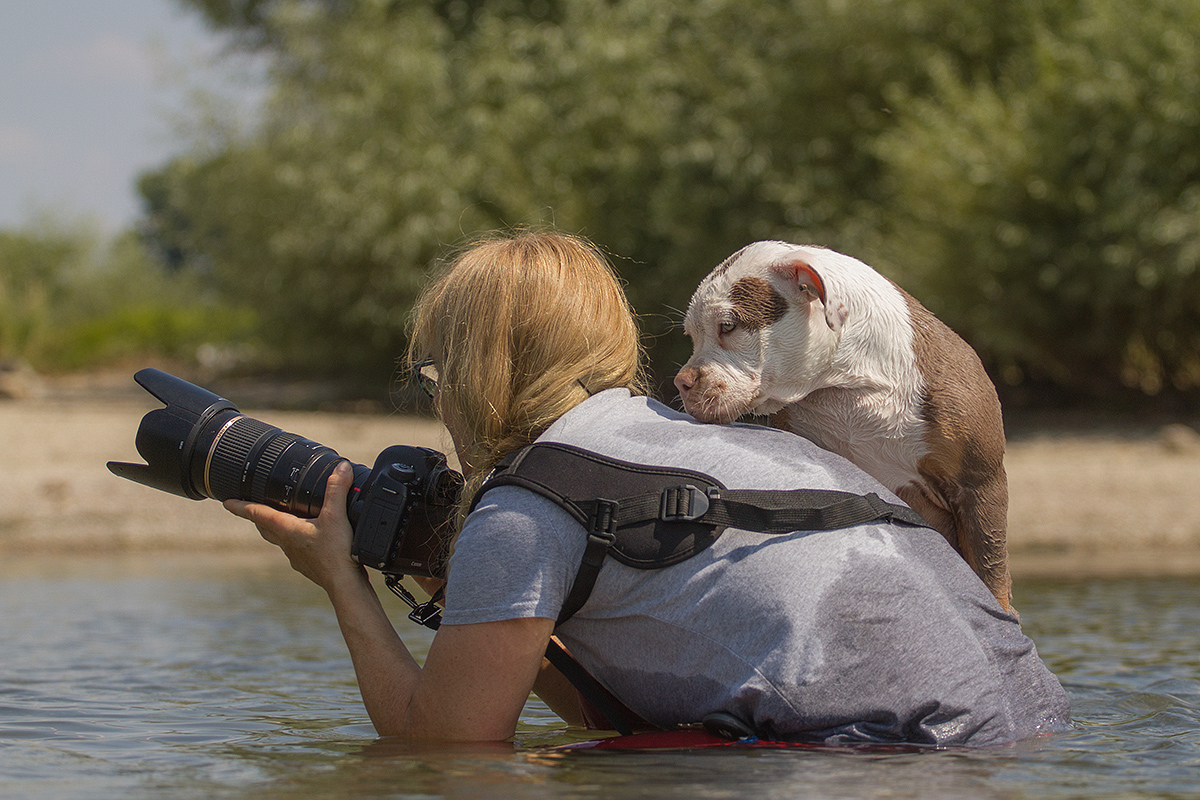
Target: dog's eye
x,y
728,327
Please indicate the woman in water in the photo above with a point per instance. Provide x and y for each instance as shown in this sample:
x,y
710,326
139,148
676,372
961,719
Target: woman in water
x,y
872,633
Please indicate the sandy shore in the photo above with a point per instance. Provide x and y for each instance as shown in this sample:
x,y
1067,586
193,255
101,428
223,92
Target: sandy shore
x,y
1095,503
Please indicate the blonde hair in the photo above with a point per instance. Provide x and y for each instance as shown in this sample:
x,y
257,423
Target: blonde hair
x,y
523,328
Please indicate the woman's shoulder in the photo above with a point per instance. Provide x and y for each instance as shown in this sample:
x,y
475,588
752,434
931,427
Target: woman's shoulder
x,y
644,430
522,513
516,556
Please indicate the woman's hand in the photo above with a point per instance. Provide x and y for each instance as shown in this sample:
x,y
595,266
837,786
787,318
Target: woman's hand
x,y
319,549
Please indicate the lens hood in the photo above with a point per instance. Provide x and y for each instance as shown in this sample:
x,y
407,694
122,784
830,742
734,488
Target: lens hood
x,y
166,437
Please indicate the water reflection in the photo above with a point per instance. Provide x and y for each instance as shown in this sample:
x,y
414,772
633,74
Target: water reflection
x,y
190,677
403,770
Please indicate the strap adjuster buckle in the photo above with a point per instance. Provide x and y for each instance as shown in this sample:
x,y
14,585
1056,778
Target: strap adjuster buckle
x,y
682,504
602,521
427,614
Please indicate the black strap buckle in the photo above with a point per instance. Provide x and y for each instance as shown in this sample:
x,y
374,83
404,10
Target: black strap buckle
x,y
602,521
682,504
427,613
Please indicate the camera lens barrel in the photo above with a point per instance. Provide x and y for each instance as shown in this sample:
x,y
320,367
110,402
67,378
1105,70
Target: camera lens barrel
x,y
241,457
200,446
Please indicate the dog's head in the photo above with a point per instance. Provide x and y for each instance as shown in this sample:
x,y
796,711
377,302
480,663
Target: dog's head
x,y
764,326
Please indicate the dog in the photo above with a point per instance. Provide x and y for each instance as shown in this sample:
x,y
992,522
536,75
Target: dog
x,y
833,351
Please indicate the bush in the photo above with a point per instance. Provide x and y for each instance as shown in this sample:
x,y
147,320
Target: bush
x,y
67,302
1053,214
1029,169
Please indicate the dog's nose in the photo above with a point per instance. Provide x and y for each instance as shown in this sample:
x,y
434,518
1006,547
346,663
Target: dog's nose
x,y
686,379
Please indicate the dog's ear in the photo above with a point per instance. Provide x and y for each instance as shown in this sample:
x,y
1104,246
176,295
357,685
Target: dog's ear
x,y
807,282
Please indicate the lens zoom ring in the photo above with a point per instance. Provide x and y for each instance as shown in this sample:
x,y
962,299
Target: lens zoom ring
x,y
266,462
230,452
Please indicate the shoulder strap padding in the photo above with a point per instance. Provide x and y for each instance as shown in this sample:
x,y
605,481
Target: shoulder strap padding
x,y
666,515
588,485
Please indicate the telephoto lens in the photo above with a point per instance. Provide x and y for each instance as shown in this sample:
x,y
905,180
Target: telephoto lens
x,y
200,446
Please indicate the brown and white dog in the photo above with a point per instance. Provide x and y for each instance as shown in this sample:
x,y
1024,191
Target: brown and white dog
x,y
839,354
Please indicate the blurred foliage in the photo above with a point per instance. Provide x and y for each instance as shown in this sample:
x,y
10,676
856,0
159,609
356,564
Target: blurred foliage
x,y
1027,169
67,301
1052,214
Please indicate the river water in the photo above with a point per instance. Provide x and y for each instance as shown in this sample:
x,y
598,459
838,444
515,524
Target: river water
x,y
195,677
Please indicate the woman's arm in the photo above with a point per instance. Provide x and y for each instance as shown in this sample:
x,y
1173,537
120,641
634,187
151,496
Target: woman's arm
x,y
551,686
476,677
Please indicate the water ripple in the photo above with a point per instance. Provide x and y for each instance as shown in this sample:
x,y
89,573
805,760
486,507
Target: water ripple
x,y
234,683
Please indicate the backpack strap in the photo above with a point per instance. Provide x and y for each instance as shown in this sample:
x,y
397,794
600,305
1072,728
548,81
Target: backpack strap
x,y
769,511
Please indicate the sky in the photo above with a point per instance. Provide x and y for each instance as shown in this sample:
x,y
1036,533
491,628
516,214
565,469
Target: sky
x,y
91,94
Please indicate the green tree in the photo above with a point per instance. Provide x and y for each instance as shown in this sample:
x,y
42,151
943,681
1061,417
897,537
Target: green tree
x,y
324,217
69,300
670,133
1024,168
1053,213
34,279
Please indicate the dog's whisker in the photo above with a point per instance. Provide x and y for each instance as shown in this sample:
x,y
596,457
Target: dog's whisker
x,y
668,322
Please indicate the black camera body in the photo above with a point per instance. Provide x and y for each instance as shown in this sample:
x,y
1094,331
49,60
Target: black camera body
x,y
401,513
200,446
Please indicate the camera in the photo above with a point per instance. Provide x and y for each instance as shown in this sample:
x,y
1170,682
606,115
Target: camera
x,y
201,446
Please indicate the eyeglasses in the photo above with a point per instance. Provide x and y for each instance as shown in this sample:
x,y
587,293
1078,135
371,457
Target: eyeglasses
x,y
426,376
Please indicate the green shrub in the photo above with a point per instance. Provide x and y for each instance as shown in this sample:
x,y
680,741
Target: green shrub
x,y
68,301
1028,169
1053,214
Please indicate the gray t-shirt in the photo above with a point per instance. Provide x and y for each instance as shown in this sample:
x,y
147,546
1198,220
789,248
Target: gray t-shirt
x,y
876,633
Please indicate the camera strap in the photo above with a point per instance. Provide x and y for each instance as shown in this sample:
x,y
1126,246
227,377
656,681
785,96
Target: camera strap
x,y
428,613
650,517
